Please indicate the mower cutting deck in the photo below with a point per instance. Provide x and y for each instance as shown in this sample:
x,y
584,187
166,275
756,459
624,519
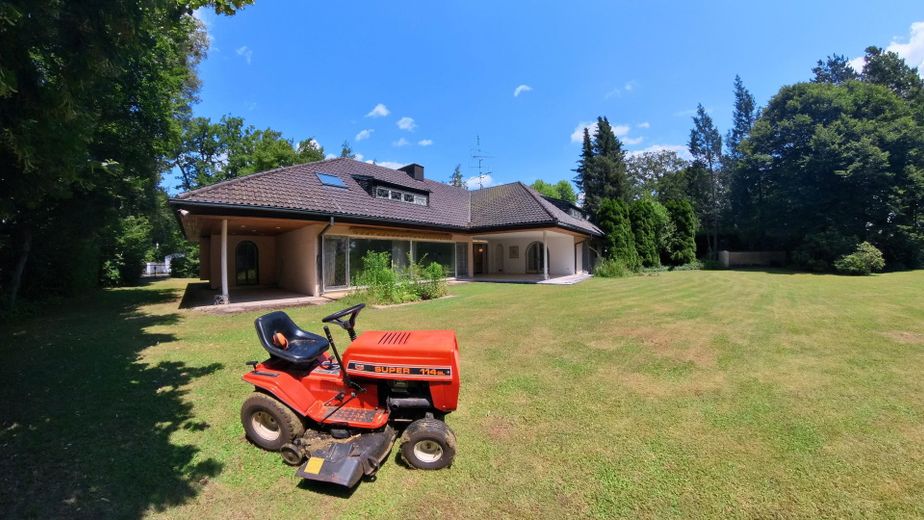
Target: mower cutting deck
x,y
337,418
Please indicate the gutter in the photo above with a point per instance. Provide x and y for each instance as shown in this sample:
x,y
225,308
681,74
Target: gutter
x,y
320,257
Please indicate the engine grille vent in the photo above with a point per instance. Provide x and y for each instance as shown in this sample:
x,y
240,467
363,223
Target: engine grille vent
x,y
395,338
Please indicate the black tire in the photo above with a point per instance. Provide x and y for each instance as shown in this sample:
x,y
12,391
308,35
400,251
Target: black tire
x,y
428,444
268,423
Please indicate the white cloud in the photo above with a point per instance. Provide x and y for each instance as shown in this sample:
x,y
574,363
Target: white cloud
x,y
204,18
379,110
681,150
330,156
401,142
364,134
521,89
406,123
246,52
577,135
857,63
911,51
621,131
644,124
390,164
473,183
425,142
359,157
619,91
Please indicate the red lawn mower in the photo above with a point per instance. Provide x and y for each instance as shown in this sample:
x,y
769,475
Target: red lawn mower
x,y
336,417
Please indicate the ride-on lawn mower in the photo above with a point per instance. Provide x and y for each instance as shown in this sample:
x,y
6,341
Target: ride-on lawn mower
x,y
336,417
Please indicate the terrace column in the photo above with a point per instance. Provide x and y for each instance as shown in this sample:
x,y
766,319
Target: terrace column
x,y
224,298
545,256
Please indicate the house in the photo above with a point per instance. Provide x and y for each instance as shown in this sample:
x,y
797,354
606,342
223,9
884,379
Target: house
x,y
305,228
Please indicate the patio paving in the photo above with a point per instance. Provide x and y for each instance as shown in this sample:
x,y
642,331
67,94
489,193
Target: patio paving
x,y
531,278
201,297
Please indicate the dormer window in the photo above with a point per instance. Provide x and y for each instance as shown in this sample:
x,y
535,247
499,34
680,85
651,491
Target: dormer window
x,y
400,195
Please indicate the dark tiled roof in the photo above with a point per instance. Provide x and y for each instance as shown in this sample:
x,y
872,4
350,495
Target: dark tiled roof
x,y
297,188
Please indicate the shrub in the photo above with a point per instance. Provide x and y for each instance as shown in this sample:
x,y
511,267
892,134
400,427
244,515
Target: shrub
x,y
647,226
680,244
695,265
863,261
185,266
818,251
132,244
611,268
432,283
381,283
613,218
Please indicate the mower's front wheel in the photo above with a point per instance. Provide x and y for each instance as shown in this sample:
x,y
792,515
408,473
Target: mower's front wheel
x,y
428,444
268,423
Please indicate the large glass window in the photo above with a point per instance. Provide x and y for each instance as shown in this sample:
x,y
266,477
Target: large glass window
x,y
343,257
397,249
335,259
400,253
358,249
462,259
439,252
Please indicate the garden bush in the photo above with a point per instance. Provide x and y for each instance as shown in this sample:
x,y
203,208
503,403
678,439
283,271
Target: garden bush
x,y
818,251
863,261
611,268
432,282
613,217
382,284
185,266
680,242
647,228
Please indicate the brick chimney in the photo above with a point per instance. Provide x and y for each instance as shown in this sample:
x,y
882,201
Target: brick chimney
x,y
414,170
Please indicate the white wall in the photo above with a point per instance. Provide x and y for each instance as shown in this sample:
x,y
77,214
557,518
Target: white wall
x,y
296,260
266,250
561,254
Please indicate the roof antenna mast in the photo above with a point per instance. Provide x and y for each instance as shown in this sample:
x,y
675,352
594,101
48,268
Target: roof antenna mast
x,y
478,157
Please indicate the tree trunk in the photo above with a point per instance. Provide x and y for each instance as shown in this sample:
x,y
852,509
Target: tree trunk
x,y
16,279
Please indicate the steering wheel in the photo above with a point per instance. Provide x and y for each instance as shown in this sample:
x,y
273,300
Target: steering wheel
x,y
337,317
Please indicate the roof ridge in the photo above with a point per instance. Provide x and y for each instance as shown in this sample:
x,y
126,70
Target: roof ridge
x,y
254,175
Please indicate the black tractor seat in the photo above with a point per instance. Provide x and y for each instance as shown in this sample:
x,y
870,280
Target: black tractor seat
x,y
283,339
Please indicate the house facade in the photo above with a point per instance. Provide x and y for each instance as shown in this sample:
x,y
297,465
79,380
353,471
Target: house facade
x,y
306,228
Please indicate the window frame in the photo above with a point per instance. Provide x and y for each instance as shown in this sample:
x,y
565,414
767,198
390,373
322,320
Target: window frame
x,y
389,193
340,183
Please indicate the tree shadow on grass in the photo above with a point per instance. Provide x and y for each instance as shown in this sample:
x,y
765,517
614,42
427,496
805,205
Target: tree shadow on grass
x,y
85,426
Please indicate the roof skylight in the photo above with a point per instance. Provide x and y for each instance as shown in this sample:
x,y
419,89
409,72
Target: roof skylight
x,y
328,179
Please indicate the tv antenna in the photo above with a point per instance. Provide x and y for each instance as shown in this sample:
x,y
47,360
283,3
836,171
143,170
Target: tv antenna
x,y
478,157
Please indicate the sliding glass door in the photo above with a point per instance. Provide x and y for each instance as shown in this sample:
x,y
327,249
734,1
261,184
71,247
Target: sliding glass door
x,y
335,262
343,257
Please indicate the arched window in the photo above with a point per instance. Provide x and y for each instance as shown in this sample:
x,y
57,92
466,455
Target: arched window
x,y
535,258
247,263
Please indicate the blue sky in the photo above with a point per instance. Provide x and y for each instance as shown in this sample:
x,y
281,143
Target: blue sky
x,y
445,72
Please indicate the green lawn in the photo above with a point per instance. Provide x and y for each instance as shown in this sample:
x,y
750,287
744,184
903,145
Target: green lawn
x,y
689,394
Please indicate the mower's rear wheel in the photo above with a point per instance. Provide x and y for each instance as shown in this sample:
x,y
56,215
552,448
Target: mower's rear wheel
x,y
268,423
428,444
